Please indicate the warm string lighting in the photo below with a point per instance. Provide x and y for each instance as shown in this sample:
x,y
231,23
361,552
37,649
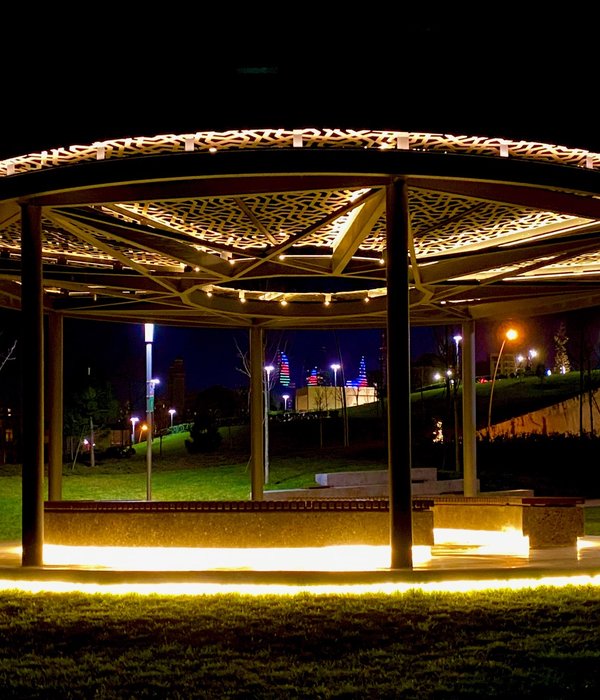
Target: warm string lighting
x,y
284,299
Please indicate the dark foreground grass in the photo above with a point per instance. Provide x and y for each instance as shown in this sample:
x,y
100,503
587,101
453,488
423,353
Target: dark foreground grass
x,y
502,644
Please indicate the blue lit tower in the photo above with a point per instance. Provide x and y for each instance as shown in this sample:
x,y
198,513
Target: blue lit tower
x,y
283,369
361,380
362,373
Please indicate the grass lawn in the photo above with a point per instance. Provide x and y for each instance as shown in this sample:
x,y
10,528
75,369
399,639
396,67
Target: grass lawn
x,y
503,644
178,476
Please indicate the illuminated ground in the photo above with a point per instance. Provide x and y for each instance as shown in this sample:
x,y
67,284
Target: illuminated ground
x,y
449,567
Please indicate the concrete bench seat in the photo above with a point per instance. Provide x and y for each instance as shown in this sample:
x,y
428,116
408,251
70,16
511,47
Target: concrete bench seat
x,y
548,522
236,524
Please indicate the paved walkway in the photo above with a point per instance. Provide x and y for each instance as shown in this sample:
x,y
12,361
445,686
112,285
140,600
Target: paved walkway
x,y
446,564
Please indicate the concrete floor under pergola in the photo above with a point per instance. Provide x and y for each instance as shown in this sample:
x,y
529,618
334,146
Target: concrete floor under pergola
x,y
280,229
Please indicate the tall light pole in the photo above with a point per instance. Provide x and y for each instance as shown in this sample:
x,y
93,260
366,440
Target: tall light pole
x,y
172,412
457,338
511,334
134,420
148,339
285,398
531,355
335,368
268,370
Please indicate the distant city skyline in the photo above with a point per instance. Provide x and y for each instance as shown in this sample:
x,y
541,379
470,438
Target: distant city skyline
x,y
115,351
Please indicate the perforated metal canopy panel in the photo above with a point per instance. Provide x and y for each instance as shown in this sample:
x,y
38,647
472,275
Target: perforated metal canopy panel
x,y
288,228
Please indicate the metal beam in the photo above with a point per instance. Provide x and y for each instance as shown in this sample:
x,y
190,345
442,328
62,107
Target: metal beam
x,y
530,196
359,229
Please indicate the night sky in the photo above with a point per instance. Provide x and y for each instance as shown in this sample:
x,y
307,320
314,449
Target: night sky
x,y
85,80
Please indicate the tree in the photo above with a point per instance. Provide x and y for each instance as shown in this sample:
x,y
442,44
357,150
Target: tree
x,y
204,435
562,364
7,355
213,406
87,410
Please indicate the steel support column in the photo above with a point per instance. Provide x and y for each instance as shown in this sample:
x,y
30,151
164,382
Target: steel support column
x,y
257,414
468,410
55,406
398,376
32,386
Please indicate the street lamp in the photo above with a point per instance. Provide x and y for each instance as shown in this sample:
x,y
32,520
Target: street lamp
x,y
172,412
134,420
150,383
531,355
457,339
268,370
285,398
335,368
511,334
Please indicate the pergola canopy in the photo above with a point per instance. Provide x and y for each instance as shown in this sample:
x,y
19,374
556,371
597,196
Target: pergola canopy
x,y
287,229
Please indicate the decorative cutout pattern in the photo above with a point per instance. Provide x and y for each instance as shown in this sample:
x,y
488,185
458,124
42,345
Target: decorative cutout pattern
x,y
248,229
214,141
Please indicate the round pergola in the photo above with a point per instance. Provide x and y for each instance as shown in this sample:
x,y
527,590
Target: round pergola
x,y
288,228
292,229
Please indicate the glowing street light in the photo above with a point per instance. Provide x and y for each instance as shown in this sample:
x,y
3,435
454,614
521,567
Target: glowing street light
x,y
511,334
134,420
457,339
285,398
267,392
531,355
172,412
335,368
150,384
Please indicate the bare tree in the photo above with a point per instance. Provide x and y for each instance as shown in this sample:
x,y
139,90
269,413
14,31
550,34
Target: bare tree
x,y
7,355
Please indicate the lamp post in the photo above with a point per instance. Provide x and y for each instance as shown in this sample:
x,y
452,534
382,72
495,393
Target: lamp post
x,y
511,334
335,368
531,355
285,398
148,339
172,412
457,339
134,420
268,370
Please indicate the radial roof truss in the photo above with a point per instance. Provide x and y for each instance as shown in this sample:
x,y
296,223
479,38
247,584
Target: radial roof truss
x,y
290,230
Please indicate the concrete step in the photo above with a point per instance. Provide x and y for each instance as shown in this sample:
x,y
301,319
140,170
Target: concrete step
x,y
426,488
377,476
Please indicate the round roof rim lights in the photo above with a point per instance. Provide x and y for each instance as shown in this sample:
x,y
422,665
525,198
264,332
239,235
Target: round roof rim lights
x,y
215,141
